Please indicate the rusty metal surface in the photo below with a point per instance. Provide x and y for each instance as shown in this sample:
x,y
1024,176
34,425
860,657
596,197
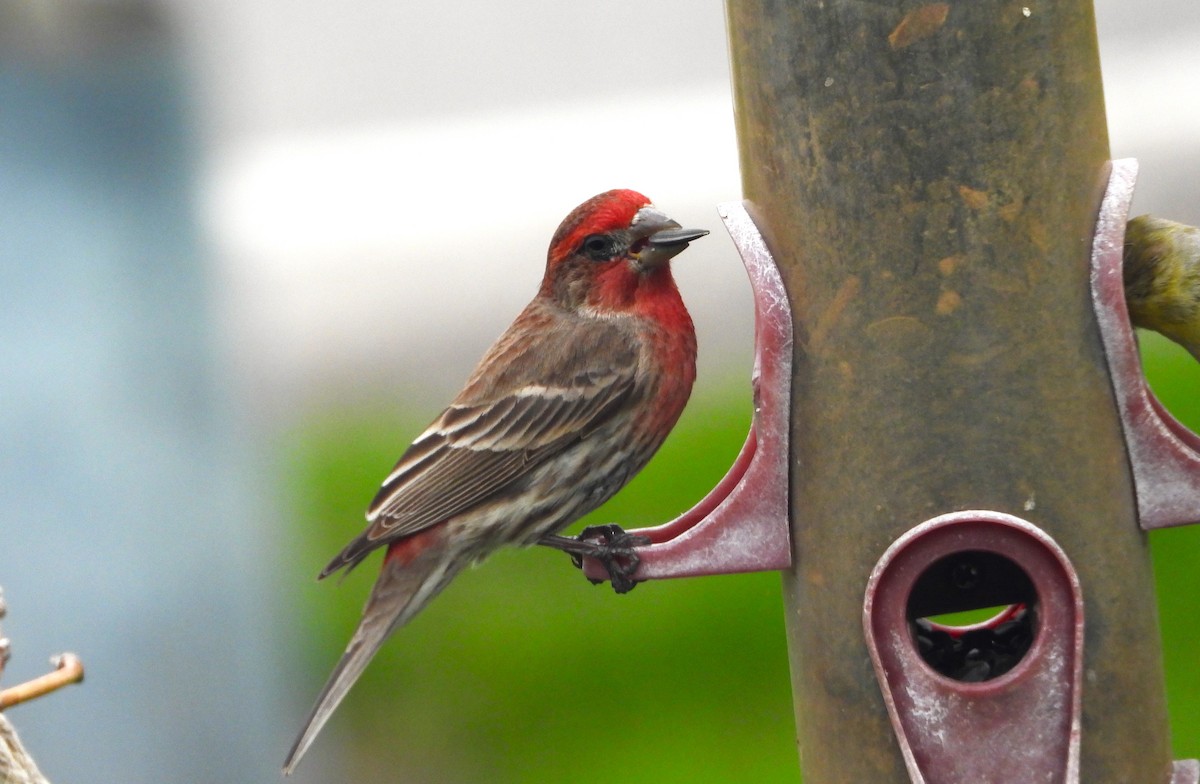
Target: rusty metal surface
x,y
1164,455
1022,725
928,178
742,524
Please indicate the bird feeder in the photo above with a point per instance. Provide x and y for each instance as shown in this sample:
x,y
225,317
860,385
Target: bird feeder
x,y
956,718
944,419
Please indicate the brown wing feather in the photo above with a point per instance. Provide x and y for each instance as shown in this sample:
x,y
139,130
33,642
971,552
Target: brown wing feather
x,y
541,400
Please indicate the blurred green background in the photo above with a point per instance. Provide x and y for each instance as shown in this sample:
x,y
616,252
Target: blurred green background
x,y
523,672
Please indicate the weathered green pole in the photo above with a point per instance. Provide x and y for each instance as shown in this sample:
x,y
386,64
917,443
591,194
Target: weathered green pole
x,y
927,177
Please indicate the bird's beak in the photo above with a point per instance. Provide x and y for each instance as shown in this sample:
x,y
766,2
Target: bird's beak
x,y
666,244
661,238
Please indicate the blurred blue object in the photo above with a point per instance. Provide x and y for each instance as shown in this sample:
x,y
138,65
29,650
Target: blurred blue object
x,y
127,528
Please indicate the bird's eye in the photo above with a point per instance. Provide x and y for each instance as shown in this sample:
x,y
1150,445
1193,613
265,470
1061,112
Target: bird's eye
x,y
599,247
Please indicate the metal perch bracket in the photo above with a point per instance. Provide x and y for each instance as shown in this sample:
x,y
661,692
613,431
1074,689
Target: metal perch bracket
x,y
1164,455
742,524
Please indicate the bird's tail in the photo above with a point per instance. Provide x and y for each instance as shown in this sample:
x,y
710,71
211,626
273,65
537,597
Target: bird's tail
x,y
401,591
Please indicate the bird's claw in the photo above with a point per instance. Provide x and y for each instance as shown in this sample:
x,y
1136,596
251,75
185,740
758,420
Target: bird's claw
x,y
610,544
616,549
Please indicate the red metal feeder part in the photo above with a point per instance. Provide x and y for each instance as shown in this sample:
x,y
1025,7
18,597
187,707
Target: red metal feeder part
x,y
1164,455
1022,724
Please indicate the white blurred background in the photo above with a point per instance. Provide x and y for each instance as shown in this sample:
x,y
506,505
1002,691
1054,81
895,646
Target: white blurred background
x,y
371,188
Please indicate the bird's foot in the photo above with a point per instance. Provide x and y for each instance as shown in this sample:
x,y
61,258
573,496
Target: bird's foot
x,y
617,551
611,545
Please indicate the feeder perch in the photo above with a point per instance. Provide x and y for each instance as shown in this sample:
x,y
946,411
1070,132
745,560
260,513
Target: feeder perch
x,y
1164,455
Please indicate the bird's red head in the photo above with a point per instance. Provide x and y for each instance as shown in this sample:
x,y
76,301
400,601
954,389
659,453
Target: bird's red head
x,y
612,251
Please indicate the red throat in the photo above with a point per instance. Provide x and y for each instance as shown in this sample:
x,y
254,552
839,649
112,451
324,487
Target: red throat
x,y
654,294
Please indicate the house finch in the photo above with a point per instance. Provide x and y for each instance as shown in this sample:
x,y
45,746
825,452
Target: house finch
x,y
1162,279
561,412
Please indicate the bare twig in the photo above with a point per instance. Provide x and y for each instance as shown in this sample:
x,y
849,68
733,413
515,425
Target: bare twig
x,y
16,766
69,669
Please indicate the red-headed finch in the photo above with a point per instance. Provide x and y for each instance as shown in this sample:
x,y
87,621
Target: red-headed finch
x,y
561,412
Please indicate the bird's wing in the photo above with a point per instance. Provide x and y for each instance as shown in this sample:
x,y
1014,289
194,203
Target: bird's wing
x,y
472,451
486,440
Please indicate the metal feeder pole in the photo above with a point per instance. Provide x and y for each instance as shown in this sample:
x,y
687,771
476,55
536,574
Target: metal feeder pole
x,y
928,179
